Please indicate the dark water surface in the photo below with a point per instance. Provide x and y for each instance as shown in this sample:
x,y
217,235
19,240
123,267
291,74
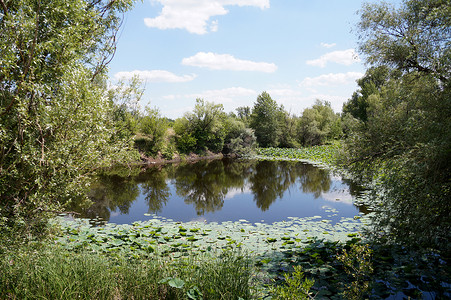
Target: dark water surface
x,y
223,190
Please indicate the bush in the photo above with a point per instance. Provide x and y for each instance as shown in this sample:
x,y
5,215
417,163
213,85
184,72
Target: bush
x,y
296,287
153,129
245,144
186,143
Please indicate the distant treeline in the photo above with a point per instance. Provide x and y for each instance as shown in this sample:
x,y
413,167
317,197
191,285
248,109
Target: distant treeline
x,y
209,128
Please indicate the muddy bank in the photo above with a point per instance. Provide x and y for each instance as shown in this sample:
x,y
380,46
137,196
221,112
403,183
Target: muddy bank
x,y
192,157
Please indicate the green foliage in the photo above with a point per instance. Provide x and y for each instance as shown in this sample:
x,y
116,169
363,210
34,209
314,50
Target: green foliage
x,y
324,154
152,132
124,99
288,130
209,128
244,144
412,38
186,143
358,266
296,286
318,124
371,84
239,139
404,144
244,113
56,122
198,253
201,130
55,273
265,121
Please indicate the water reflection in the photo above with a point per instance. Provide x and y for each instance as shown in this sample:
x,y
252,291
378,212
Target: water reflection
x,y
156,190
203,185
206,185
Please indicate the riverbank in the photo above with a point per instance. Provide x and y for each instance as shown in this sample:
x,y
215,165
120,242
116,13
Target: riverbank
x,y
322,155
192,157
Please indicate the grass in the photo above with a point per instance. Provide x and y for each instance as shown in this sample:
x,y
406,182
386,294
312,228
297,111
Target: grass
x,y
54,273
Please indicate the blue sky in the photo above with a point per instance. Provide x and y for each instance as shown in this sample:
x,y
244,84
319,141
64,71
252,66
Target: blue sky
x,y
229,51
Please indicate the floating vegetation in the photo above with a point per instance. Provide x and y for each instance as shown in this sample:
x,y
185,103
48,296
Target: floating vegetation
x,y
274,247
167,237
323,155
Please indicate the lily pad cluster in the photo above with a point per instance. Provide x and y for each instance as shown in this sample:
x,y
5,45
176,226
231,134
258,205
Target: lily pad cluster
x,y
164,237
323,155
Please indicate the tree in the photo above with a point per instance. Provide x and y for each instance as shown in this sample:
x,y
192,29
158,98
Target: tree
x,y
56,123
370,84
244,113
124,98
318,124
404,144
265,121
288,129
414,37
239,139
202,129
152,132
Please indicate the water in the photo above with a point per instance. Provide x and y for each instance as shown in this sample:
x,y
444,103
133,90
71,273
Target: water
x,y
223,190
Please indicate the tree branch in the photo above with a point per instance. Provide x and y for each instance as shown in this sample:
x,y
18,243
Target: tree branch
x,y
30,58
4,7
33,47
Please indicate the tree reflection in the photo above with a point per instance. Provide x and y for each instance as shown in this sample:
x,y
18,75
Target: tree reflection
x,y
109,193
156,191
315,180
266,183
203,185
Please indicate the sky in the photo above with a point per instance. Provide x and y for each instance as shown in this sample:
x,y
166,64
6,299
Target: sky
x,y
230,51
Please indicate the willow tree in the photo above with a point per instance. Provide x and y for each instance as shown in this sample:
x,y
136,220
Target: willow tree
x,y
405,142
55,119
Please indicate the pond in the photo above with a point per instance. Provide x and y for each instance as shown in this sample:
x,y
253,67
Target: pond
x,y
222,190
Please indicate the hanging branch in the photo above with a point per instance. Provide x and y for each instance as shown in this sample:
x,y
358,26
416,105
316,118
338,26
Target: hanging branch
x,y
5,9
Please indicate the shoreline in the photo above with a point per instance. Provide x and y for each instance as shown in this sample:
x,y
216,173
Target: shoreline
x,y
192,157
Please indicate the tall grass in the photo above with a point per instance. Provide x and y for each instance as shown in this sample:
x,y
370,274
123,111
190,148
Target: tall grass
x,y
54,273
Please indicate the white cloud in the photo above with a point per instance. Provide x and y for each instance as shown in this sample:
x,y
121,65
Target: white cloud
x,y
214,26
229,93
216,61
238,191
331,79
226,95
338,195
326,45
194,15
284,92
155,76
345,57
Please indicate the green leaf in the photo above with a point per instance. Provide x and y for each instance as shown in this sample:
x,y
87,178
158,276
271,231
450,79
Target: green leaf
x,y
194,293
176,283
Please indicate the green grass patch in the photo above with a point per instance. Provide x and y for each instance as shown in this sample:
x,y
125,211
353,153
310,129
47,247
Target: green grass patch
x,y
55,273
